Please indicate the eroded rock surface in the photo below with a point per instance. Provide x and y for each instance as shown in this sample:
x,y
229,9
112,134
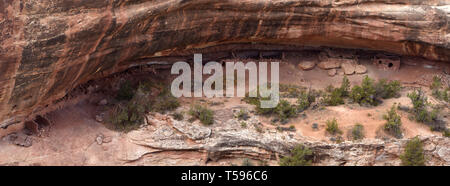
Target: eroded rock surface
x,y
164,141
49,47
230,140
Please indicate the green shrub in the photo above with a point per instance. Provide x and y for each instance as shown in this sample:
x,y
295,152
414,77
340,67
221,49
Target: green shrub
x,y
133,104
358,132
247,162
446,133
285,110
205,115
243,124
370,93
444,95
436,84
290,91
385,89
394,123
257,102
165,101
126,117
258,129
420,111
413,155
252,100
364,94
304,100
178,116
299,156
292,127
118,116
333,127
335,96
243,115
126,91
345,86
437,92
264,111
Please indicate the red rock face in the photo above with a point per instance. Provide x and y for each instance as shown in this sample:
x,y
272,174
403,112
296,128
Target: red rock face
x,y
49,47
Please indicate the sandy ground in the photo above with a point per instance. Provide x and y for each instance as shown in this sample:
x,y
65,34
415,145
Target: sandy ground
x,y
71,139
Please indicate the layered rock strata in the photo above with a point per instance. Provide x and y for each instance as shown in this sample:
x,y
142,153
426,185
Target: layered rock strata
x,y
49,47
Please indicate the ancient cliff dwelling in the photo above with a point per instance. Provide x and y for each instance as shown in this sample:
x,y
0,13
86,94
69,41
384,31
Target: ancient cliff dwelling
x,y
361,82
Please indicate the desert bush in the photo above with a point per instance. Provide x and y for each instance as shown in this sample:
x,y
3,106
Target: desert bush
x,y
264,111
358,132
243,114
436,84
413,155
126,91
385,89
315,126
257,102
446,133
205,115
394,123
370,93
258,129
333,127
299,156
364,94
441,94
437,91
243,124
126,116
118,116
335,96
290,128
345,86
178,116
132,105
285,110
305,99
247,162
290,91
420,110
165,101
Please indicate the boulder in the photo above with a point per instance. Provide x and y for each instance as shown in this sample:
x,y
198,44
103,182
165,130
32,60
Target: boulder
x,y
360,69
103,102
99,118
348,68
306,65
329,64
332,72
20,139
99,139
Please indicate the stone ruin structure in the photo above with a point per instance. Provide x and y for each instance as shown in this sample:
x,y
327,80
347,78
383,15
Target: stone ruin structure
x,y
48,48
387,62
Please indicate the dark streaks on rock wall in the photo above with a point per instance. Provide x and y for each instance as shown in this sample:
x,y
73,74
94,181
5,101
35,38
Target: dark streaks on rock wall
x,y
49,47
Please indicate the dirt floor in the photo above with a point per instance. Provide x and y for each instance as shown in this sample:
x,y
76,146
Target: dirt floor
x,y
72,138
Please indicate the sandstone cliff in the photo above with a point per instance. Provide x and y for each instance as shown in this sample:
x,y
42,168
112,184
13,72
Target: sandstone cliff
x,y
49,47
